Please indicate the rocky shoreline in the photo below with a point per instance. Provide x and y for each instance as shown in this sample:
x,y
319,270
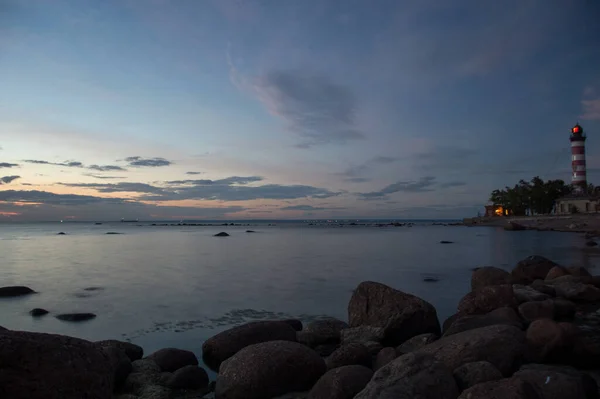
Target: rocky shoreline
x,y
530,333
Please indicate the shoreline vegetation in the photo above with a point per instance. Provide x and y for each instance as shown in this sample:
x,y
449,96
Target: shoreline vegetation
x,y
530,333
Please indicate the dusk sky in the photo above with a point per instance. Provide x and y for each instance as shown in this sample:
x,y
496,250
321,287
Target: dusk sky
x,y
270,109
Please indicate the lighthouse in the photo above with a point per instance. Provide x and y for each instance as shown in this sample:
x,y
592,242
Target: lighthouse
x,y
578,179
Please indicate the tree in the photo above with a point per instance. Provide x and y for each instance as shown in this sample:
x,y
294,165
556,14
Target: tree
x,y
536,197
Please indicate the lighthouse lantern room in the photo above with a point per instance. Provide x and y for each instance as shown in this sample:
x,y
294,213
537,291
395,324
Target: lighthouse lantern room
x,y
578,177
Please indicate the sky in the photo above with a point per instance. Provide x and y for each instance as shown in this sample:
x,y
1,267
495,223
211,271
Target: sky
x,y
284,109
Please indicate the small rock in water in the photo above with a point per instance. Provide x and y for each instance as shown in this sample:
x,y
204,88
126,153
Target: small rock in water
x,y
591,243
250,231
113,232
76,316
222,234
431,279
17,290
446,242
93,289
37,312
62,233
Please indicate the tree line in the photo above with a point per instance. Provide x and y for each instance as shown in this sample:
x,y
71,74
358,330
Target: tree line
x,y
536,197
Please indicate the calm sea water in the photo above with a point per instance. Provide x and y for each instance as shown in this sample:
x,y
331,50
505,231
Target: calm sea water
x,y
176,285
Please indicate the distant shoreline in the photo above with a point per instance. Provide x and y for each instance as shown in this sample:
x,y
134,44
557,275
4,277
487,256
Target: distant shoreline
x,y
582,223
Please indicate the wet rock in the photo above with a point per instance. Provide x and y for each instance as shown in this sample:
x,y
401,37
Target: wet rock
x,y
531,311
76,316
330,328
188,377
513,388
385,356
564,309
413,375
227,343
416,343
500,345
61,233
401,315
591,243
362,334
37,312
474,373
250,231
341,383
486,299
555,272
171,359
112,233
577,291
294,323
222,234
431,279
500,316
532,268
446,242
13,291
132,351
347,355
278,367
544,338
525,293
489,275
558,382
49,366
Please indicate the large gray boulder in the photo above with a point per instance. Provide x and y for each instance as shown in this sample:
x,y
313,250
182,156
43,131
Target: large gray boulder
x,y
545,340
414,375
362,334
341,383
49,366
513,388
222,346
349,354
531,311
532,268
330,328
416,343
486,299
500,345
502,316
474,373
489,275
401,315
576,290
133,351
525,293
558,382
269,369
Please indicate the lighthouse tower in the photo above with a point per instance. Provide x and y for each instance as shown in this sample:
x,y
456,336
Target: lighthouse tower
x,y
578,179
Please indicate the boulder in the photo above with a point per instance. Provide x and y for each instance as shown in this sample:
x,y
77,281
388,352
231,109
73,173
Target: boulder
x,y
531,311
498,344
269,369
222,234
558,382
416,343
373,347
188,377
555,272
146,365
513,388
347,355
512,226
13,291
385,356
227,343
544,338
330,328
541,286
474,373
76,316
564,309
341,383
38,312
171,359
486,299
449,321
532,268
502,316
325,350
524,293
49,366
489,275
578,271
313,339
414,375
591,243
132,351
294,323
119,363
577,291
401,315
362,334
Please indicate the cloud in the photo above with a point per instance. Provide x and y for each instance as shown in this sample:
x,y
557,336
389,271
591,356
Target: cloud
x,y
150,162
355,173
357,179
424,184
225,181
194,173
8,165
45,197
103,176
453,184
69,164
315,108
121,187
106,168
8,179
306,208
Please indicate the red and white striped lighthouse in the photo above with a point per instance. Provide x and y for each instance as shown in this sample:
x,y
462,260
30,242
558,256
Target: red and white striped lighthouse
x,y
578,179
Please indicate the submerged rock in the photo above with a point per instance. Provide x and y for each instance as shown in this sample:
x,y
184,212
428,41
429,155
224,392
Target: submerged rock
x,y
401,315
222,234
38,312
13,291
76,316
341,383
269,369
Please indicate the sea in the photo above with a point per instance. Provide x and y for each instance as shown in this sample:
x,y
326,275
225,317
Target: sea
x,y
174,285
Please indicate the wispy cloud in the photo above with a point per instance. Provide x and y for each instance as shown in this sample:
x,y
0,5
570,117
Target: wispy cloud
x,y
150,162
356,173
308,208
103,176
121,187
107,168
424,184
226,181
8,165
194,173
314,107
8,179
69,164
453,184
